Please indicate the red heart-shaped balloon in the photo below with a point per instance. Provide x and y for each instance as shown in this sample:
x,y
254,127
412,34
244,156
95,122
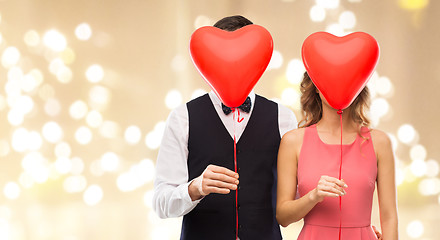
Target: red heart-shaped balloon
x,y
340,66
231,62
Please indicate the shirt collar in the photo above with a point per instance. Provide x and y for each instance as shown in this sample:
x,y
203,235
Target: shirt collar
x,y
216,100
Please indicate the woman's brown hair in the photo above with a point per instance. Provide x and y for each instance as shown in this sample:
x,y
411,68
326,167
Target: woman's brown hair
x,y
311,105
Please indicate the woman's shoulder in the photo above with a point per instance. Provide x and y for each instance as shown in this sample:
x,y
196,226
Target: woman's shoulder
x,y
294,136
381,141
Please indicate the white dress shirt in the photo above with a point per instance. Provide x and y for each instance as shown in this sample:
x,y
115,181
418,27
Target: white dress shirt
x,y
171,197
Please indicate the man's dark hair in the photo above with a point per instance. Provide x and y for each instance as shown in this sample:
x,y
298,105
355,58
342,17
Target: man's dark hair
x,y
232,23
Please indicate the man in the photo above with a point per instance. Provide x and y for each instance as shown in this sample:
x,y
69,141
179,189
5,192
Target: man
x,y
195,166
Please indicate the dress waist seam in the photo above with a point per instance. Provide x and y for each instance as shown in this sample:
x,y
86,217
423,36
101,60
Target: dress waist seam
x,y
320,225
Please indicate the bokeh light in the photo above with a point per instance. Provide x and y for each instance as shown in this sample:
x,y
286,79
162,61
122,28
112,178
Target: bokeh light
x,y
406,133
173,99
109,161
94,119
10,57
52,132
415,229
347,20
295,71
93,195
413,4
132,134
83,135
95,73
78,109
83,31
75,184
32,38
12,190
276,61
329,4
54,40
317,13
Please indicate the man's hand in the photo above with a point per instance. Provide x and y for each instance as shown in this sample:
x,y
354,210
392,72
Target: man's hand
x,y
214,179
378,234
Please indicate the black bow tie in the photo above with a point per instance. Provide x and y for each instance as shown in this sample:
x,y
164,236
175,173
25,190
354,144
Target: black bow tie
x,y
245,107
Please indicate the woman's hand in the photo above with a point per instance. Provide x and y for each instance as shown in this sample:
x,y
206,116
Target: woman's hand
x,y
328,187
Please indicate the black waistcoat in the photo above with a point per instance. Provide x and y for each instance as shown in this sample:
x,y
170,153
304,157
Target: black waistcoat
x,y
210,143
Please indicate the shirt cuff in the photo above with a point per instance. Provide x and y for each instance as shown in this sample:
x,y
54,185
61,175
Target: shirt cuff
x,y
185,195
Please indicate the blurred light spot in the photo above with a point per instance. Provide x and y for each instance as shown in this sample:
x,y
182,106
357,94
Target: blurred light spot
x,y
276,61
379,107
432,168
429,186
132,134
54,40
35,141
330,4
12,190
295,71
15,118
94,119
148,199
64,74
94,73
400,177
109,162
75,184
99,97
63,165
56,65
109,129
52,132
4,148
406,133
93,195
15,74
394,141
83,135
154,138
173,99
290,96
52,107
24,104
335,29
10,57
36,166
415,229
179,63
146,170
409,175
78,109
29,83
96,169
19,140
347,20
83,31
418,167
77,165
317,13
26,180
63,149
126,182
68,56
46,91
418,152
32,38
197,93
202,21
413,4
384,86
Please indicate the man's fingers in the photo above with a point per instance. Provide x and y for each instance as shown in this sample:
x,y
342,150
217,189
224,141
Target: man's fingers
x,y
218,190
223,170
220,184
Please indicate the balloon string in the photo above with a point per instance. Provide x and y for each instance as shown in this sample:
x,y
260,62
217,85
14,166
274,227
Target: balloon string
x,y
340,177
235,165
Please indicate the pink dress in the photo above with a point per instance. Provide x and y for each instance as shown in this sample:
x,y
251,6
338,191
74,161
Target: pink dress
x,y
359,171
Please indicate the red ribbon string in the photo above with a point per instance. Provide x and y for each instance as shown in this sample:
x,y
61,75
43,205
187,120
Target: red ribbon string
x,y
236,170
340,177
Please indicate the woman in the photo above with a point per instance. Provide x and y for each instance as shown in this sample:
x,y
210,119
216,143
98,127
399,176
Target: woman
x,y
309,157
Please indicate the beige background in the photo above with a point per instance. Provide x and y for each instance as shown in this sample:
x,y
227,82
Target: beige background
x,y
142,48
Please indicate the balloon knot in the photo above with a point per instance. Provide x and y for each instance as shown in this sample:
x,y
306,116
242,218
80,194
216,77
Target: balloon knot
x,y
339,112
